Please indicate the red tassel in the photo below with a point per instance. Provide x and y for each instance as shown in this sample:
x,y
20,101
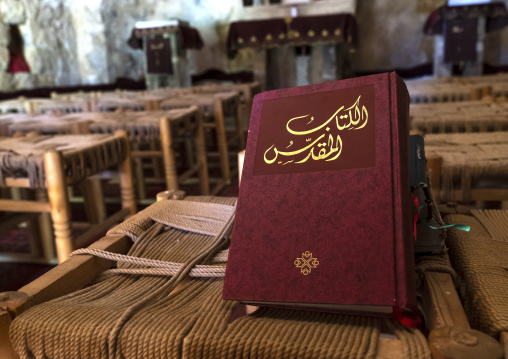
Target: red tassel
x,y
408,320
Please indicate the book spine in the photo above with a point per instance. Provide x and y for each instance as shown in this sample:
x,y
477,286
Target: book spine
x,y
404,246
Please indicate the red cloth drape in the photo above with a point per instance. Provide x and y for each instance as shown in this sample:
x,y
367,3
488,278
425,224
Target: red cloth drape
x,y
17,63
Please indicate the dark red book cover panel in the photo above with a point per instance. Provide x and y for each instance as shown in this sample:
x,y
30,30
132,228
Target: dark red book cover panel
x,y
460,40
158,55
315,221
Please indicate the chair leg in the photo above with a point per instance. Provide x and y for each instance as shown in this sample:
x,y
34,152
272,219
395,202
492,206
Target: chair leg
x,y
221,140
239,127
126,182
156,162
46,232
59,202
168,154
33,227
93,198
139,175
201,158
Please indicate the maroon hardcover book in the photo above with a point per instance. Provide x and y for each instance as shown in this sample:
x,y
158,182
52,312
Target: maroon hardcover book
x,y
323,217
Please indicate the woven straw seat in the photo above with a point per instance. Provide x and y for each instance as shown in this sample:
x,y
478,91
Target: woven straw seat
x,y
462,160
467,116
51,123
247,91
435,90
111,104
480,258
44,106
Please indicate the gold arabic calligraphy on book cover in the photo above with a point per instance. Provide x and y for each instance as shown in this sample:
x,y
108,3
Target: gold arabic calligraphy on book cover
x,y
319,132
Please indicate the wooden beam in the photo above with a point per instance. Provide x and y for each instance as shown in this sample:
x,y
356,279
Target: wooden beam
x,y
76,272
441,303
389,349
9,205
460,343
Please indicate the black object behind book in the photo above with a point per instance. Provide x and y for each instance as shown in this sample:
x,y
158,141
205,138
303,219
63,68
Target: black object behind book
x,y
428,240
417,161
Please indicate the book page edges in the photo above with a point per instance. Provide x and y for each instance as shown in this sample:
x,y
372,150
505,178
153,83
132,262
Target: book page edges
x,y
404,246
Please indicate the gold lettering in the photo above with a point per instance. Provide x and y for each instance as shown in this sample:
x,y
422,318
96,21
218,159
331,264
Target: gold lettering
x,y
329,150
155,47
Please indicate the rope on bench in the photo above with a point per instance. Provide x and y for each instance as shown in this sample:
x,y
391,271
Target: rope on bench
x,y
143,316
481,262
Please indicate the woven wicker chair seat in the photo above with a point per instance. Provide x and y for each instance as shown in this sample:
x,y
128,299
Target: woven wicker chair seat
x,y
141,126
468,157
467,116
111,104
83,156
204,101
47,124
14,105
44,105
455,88
143,316
480,258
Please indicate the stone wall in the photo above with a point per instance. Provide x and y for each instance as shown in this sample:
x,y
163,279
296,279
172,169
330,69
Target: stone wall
x,y
390,36
209,18
71,42
50,42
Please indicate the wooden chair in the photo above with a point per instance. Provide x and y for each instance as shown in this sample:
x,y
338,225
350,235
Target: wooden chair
x,y
153,134
103,105
450,332
45,106
216,109
64,160
160,132
247,92
435,90
18,105
452,117
130,100
468,166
